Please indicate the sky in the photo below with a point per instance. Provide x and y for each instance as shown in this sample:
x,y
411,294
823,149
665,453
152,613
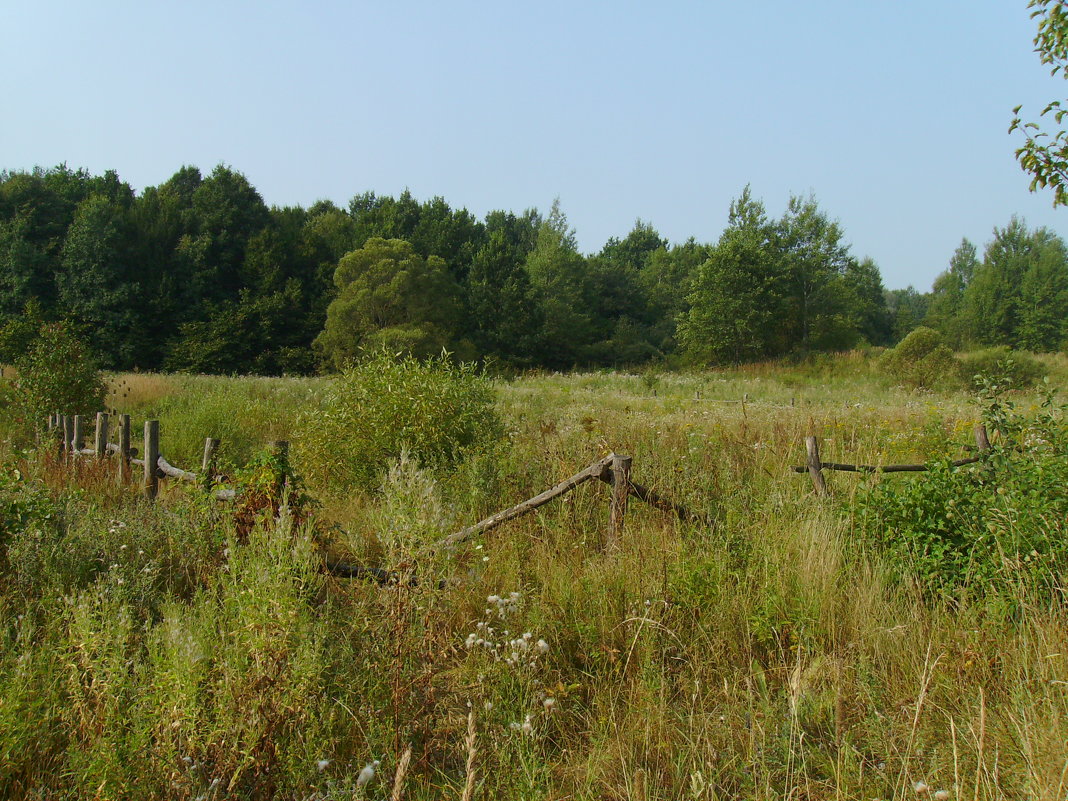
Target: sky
x,y
893,114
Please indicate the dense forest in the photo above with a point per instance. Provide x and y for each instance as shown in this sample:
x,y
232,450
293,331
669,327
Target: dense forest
x,y
199,274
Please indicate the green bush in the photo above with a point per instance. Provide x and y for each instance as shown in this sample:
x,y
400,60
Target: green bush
x,y
986,529
1012,369
920,360
386,405
56,374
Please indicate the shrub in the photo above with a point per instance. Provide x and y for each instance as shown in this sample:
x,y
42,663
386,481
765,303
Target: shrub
x,y
1012,369
56,374
990,528
386,405
920,360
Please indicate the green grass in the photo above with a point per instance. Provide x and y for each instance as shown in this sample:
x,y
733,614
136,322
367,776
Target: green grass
x,y
768,656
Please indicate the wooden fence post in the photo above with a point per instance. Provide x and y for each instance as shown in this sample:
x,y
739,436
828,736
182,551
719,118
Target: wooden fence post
x,y
207,464
124,448
620,492
815,467
68,433
78,438
151,487
982,441
100,444
57,432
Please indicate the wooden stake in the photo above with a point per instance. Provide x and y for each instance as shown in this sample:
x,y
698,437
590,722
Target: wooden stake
x,y
101,441
982,441
620,492
207,464
124,448
151,486
68,433
77,439
815,468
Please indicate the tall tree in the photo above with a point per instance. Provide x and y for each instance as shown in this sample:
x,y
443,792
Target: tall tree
x,y
390,295
556,271
737,295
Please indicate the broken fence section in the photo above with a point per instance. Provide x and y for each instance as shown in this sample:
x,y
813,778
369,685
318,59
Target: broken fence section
x,y
815,467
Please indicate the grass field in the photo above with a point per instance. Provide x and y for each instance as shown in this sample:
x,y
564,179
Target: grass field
x,y
171,650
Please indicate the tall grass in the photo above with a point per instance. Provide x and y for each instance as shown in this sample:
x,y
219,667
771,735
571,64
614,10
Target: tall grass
x,y
766,656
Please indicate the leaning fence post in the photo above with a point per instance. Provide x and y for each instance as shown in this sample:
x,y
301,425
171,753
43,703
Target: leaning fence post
x,y
620,491
982,441
207,464
151,487
815,466
101,441
124,448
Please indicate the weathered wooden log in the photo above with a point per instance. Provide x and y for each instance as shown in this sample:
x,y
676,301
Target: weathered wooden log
x,y
884,468
171,471
595,470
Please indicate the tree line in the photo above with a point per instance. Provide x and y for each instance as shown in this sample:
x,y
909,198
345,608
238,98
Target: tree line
x,y
199,274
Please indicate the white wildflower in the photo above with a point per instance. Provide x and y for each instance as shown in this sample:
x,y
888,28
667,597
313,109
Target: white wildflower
x,y
367,773
920,787
542,646
548,703
941,795
322,765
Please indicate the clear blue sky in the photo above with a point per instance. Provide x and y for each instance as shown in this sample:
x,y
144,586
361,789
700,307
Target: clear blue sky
x,y
893,113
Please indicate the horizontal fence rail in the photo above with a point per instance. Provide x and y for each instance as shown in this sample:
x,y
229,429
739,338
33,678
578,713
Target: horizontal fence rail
x,y
68,431
814,466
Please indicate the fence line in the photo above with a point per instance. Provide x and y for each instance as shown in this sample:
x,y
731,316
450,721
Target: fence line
x,y
68,431
815,467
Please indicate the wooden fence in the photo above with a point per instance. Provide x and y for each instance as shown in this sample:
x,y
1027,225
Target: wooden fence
x,y
614,470
68,431
815,467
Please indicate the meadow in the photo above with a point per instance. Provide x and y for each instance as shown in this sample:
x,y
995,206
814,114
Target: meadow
x,y
183,649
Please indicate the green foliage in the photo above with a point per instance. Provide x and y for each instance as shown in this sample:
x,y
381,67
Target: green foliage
x,y
770,288
390,296
994,529
385,405
920,360
1044,154
1012,369
56,374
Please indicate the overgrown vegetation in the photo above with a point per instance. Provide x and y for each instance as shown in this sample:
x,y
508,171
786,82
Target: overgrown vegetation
x,y
184,649
55,372
385,406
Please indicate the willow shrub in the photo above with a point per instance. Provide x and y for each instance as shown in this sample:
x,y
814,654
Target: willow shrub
x,y
435,411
